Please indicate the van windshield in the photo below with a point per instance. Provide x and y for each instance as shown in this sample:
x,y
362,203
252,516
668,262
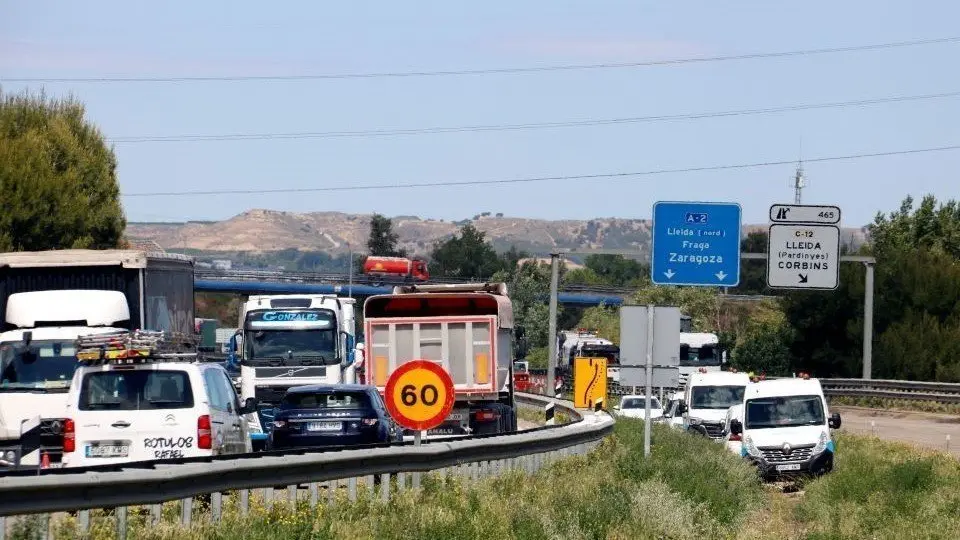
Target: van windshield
x,y
44,365
716,397
136,390
784,411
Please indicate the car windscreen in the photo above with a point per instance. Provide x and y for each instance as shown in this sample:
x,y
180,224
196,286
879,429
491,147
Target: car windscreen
x,y
716,397
639,403
135,390
326,400
784,411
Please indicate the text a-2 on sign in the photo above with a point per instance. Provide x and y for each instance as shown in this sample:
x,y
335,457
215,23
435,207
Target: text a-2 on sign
x,y
696,243
803,256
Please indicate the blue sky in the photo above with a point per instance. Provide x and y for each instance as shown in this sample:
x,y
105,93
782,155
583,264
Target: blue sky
x,y
119,38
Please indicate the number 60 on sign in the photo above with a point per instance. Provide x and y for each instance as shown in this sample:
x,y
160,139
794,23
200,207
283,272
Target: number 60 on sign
x,y
419,395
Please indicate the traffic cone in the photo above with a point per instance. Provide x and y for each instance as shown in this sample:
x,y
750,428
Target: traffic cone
x,y
44,461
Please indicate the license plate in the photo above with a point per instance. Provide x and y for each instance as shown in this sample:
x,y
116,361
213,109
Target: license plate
x,y
107,450
441,431
789,467
324,426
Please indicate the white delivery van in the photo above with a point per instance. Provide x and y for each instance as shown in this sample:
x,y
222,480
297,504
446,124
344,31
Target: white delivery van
x,y
784,428
707,397
132,400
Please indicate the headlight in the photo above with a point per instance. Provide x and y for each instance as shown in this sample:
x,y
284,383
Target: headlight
x,y
10,455
821,443
751,446
695,421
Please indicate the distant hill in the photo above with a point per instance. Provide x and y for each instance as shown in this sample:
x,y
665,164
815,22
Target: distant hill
x,y
261,231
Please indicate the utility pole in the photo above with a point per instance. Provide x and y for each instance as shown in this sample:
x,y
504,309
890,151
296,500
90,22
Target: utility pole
x,y
350,271
799,182
550,389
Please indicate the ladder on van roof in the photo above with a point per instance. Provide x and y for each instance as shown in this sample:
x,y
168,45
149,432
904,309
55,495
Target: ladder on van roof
x,y
123,347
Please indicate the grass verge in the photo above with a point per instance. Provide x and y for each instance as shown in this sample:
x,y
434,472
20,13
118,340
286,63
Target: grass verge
x,y
883,490
689,488
897,404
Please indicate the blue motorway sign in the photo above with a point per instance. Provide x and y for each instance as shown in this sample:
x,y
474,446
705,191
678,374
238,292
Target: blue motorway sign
x,y
696,243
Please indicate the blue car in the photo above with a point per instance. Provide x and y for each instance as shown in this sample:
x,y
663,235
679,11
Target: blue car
x,y
332,415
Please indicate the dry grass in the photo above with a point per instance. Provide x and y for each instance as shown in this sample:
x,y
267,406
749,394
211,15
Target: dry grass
x,y
898,404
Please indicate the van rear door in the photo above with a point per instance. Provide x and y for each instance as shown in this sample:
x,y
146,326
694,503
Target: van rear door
x,y
135,413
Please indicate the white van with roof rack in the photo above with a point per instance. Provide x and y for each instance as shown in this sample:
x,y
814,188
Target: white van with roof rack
x,y
147,396
783,427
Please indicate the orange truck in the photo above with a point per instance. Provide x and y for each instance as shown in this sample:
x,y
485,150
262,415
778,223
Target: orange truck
x,y
379,268
468,329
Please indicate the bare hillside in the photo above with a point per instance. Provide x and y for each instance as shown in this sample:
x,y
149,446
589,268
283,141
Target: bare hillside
x,y
335,232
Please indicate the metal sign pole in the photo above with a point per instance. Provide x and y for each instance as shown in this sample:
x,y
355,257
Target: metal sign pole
x,y
868,323
649,382
416,443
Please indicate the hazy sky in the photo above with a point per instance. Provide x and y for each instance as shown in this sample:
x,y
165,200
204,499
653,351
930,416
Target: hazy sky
x,y
178,38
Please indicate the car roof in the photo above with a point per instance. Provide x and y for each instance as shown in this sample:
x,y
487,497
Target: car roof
x,y
320,388
783,387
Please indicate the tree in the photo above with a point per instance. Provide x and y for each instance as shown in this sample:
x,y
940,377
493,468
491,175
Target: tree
x,y
466,255
383,241
753,272
529,287
58,178
618,271
763,346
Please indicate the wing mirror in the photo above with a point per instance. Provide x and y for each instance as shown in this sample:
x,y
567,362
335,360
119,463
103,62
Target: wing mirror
x,y
249,406
834,421
736,428
682,408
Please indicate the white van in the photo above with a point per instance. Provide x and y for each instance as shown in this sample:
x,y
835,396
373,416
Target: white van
x,y
707,397
784,428
152,407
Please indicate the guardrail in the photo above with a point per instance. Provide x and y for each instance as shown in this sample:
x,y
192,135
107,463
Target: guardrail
x,y
888,389
372,468
876,388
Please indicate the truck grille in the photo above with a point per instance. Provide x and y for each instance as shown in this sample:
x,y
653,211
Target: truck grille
x,y
714,430
776,454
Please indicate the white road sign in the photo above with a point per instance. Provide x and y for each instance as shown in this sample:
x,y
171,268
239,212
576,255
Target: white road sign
x,y
803,256
804,213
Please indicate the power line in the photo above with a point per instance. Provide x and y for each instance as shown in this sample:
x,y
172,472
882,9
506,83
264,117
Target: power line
x,y
597,176
518,127
490,71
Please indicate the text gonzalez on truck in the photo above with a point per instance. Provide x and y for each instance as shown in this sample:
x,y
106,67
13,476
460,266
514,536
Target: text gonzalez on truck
x,y
50,298
468,329
291,340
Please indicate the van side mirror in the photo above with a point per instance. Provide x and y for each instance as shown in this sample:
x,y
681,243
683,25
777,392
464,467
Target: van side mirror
x,y
736,428
249,406
682,408
834,421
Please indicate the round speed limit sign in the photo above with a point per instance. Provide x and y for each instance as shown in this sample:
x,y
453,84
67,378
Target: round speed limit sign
x,y
419,395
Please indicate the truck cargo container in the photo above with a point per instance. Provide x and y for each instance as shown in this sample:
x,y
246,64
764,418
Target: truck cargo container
x,y
468,329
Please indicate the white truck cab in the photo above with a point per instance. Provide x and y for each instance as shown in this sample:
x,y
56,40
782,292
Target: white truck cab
x,y
707,397
291,340
37,363
136,398
783,427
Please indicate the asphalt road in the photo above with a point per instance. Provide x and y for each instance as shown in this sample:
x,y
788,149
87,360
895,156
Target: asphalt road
x,y
922,429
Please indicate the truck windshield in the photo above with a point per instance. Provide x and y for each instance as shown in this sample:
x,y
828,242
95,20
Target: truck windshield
x,y
294,347
716,397
706,355
784,411
46,365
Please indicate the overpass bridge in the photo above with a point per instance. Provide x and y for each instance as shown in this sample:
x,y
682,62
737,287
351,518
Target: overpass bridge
x,y
266,282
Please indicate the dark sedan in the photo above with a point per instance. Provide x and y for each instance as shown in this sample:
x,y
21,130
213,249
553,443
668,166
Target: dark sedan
x,y
332,415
